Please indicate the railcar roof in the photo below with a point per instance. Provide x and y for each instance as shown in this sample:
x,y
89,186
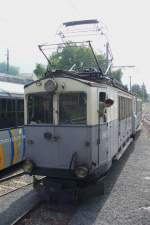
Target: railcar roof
x,y
92,78
8,89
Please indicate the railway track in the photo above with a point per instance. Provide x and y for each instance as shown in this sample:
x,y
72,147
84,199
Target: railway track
x,y
17,203
44,213
58,210
16,189
22,217
13,183
46,210
51,212
11,177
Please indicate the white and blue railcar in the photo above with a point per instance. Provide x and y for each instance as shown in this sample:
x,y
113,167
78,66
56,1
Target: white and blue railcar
x,y
70,132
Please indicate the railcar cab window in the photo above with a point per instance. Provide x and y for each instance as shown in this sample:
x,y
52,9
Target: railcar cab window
x,y
40,108
72,108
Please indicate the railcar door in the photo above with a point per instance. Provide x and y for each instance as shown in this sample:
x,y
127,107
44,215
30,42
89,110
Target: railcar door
x,y
102,130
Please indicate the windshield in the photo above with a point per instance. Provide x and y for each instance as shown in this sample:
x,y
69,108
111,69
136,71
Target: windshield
x,y
40,108
72,108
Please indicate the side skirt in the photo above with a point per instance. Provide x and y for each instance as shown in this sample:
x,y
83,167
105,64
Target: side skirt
x,y
123,149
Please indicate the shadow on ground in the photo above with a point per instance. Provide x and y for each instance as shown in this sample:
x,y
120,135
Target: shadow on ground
x,y
90,208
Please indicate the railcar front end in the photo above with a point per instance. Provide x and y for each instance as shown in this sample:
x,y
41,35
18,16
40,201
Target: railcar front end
x,y
57,133
61,117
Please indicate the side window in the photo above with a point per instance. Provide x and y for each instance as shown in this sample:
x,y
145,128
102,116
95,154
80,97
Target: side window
x,y
124,108
119,107
7,114
102,110
130,107
11,112
123,99
2,114
102,96
20,112
10,118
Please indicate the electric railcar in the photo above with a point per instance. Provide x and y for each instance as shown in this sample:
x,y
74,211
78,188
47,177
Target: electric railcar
x,y
70,133
12,134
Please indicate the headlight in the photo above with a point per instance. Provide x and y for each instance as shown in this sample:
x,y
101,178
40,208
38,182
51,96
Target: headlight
x,y
27,166
51,85
81,172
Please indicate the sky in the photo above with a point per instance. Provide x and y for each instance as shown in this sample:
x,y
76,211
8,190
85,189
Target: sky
x,y
26,23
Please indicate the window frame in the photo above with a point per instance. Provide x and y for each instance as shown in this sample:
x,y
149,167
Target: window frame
x,y
73,124
27,111
9,115
124,107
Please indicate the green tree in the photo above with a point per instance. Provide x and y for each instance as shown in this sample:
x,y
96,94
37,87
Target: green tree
x,y
136,89
117,74
39,70
140,91
12,69
144,93
77,57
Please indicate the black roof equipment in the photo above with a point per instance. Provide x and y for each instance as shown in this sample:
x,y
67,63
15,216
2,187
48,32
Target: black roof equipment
x,y
80,22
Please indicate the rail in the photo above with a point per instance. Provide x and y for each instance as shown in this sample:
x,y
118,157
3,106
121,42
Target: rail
x,y
16,189
26,213
11,177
